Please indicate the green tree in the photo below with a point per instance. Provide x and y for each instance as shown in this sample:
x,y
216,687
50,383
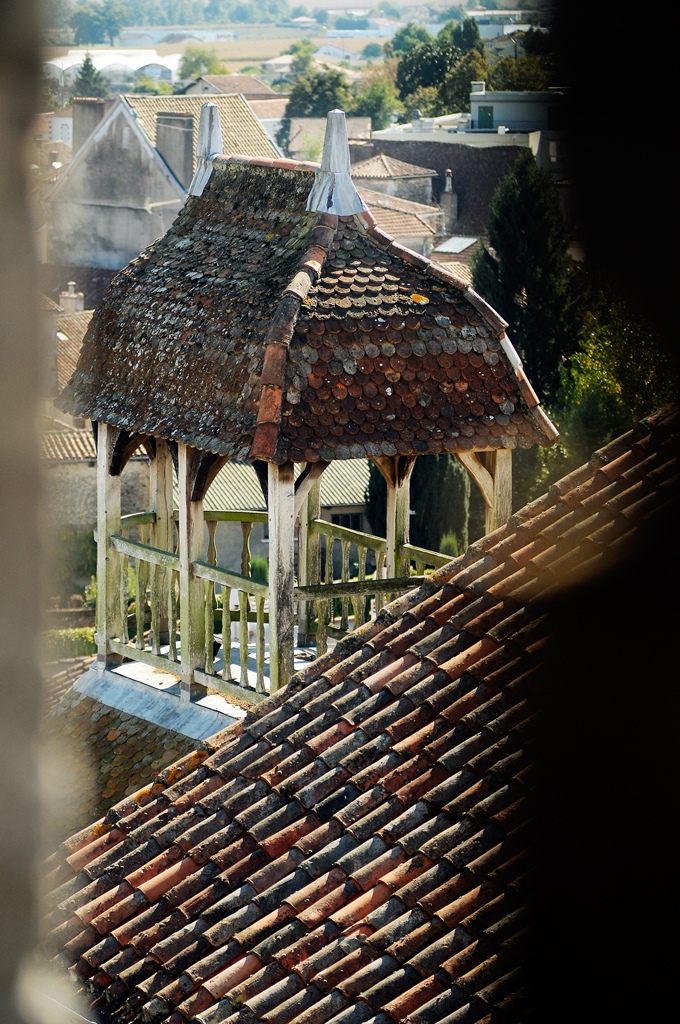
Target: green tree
x,y
303,57
87,22
198,60
89,81
375,97
425,100
151,86
427,65
454,92
463,34
371,51
526,273
407,38
313,95
524,74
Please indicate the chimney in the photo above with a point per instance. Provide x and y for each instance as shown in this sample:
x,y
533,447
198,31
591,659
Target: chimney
x,y
175,144
87,113
448,202
72,301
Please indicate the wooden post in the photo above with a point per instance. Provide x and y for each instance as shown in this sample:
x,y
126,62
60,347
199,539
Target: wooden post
x,y
109,612
397,473
160,486
281,486
492,472
499,464
191,592
309,559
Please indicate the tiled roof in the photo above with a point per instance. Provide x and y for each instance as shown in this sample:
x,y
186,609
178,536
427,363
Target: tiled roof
x,y
107,753
383,166
48,305
248,85
357,849
269,108
400,218
71,330
314,336
68,444
61,676
236,486
241,131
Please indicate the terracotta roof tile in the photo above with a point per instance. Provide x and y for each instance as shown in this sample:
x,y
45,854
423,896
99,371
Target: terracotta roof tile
x,y
407,899
241,131
384,352
383,166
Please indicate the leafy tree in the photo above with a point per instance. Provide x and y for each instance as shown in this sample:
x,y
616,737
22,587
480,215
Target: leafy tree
x,y
151,86
375,97
389,9
371,51
452,14
303,51
198,60
349,23
427,65
454,92
313,95
88,24
320,15
528,275
408,38
89,81
537,44
425,100
524,74
463,34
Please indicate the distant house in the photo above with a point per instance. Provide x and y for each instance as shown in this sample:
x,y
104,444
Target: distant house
x,y
230,85
412,224
384,173
130,173
516,111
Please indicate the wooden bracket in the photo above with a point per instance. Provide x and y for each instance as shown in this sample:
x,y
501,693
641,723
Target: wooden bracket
x,y
204,468
304,483
395,469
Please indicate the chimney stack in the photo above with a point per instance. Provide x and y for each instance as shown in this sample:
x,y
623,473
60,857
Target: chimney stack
x,y
72,301
448,202
175,144
87,113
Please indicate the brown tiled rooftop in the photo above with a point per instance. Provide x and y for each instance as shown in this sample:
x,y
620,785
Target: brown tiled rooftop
x,y
358,849
316,336
71,330
383,166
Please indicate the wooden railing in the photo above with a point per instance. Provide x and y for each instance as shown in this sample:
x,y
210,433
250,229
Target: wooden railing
x,y
344,586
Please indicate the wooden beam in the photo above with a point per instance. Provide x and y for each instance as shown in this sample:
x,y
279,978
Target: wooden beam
x,y
304,483
492,472
191,590
109,617
397,473
499,463
281,489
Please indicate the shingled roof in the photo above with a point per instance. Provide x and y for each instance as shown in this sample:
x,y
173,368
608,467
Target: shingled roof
x,y
256,328
383,166
356,849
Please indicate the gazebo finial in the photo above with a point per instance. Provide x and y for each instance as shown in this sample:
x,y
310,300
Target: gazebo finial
x,y
209,146
333,190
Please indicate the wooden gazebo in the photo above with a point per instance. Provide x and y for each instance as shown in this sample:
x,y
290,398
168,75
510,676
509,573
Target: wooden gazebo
x,y
275,323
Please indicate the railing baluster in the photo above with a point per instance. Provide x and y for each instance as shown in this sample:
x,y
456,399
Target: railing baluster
x,y
172,614
124,599
259,645
321,633
244,607
226,633
344,576
379,575
360,600
246,530
209,590
328,578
